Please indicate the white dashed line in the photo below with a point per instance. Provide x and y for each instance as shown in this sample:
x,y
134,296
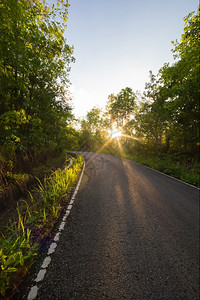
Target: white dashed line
x,y
40,276
69,207
67,213
46,262
33,293
62,225
64,218
57,237
52,248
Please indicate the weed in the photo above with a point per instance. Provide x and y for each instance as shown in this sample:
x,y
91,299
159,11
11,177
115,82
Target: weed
x,y
19,246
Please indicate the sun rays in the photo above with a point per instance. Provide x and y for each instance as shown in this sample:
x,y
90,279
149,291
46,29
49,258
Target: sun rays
x,y
114,133
117,138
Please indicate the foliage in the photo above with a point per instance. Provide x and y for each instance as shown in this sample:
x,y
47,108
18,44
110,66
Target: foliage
x,y
168,118
120,107
35,114
152,116
169,165
20,244
16,250
93,130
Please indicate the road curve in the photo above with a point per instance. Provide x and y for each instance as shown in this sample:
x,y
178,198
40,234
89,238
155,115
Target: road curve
x,y
132,234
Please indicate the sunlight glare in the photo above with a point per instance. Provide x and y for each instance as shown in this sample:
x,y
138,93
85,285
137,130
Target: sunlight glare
x,y
115,133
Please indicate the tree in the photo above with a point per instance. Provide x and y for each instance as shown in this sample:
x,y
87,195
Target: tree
x,y
34,68
180,83
152,117
121,107
93,130
169,118
34,65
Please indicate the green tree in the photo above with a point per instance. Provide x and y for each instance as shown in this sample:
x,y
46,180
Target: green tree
x,y
34,63
152,116
168,119
121,107
93,130
34,68
180,84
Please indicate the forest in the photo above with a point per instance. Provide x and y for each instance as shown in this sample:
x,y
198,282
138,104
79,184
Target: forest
x,y
160,125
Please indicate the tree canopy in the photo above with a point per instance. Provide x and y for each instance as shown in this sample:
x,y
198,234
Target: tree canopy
x,y
170,114
120,107
35,111
34,67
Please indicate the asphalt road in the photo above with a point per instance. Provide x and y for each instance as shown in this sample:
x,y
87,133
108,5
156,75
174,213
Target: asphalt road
x,y
132,234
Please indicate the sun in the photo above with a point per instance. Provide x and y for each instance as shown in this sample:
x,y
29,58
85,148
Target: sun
x,y
114,133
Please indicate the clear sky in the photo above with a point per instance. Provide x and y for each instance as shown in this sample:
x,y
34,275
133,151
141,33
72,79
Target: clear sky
x,y
117,42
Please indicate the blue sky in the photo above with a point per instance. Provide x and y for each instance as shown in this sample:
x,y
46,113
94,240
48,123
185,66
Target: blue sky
x,y
117,42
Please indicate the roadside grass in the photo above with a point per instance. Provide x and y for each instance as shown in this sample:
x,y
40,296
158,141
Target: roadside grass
x,y
15,182
20,242
168,164
180,170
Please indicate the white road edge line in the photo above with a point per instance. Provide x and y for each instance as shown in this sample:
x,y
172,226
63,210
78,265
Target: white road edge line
x,y
40,276
163,174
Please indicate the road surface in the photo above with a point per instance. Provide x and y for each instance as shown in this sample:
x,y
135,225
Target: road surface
x,y
132,234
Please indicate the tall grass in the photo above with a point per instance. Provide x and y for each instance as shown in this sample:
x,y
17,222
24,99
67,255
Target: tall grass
x,y
19,245
168,164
